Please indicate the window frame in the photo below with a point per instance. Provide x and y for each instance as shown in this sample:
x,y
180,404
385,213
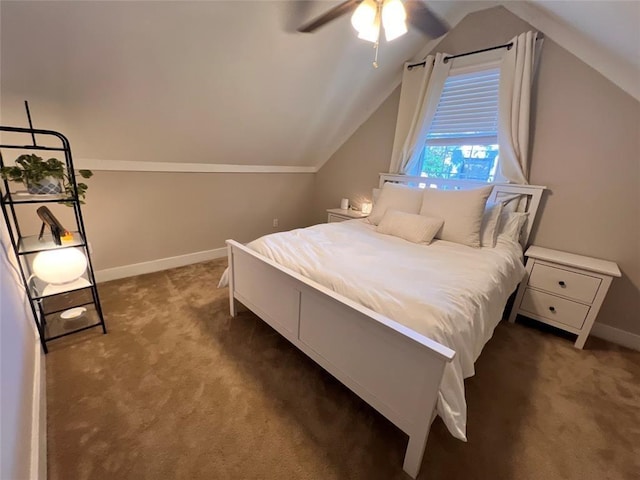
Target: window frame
x,y
461,66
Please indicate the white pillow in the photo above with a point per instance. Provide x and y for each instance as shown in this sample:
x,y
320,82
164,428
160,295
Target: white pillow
x,y
461,211
489,227
511,224
397,197
410,226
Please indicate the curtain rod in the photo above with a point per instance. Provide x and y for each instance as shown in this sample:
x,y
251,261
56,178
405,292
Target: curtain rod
x,y
446,59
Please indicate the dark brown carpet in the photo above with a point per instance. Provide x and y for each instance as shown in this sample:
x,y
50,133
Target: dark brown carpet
x,y
179,390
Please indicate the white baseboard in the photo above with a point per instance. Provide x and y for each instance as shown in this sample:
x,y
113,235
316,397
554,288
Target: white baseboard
x,y
615,335
158,265
39,417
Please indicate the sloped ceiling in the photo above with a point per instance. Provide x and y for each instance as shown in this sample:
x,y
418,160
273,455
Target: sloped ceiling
x,y
223,82
203,82
613,25
604,34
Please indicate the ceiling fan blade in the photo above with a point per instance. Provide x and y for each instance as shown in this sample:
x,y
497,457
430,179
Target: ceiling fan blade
x,y
335,12
421,17
294,13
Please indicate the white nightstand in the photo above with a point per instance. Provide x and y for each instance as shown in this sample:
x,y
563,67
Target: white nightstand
x,y
564,290
340,215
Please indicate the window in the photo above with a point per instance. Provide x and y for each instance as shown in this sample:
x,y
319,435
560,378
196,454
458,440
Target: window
x,y
463,139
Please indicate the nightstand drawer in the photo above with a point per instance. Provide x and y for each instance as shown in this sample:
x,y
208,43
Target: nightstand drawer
x,y
340,215
564,282
554,308
335,218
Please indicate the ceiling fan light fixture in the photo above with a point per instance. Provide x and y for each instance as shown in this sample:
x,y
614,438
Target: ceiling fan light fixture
x,y
371,32
370,35
391,33
364,19
394,18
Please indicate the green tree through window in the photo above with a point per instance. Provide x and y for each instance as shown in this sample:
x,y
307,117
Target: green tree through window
x,y
463,162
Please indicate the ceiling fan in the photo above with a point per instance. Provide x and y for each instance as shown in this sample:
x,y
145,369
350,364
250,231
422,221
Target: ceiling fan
x,y
371,16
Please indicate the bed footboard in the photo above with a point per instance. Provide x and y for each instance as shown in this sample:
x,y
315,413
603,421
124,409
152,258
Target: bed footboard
x,y
394,369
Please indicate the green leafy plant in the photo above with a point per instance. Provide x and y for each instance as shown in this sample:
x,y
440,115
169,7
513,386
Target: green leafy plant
x,y
32,169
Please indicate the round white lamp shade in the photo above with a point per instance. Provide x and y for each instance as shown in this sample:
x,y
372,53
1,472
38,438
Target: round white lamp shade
x,y
59,266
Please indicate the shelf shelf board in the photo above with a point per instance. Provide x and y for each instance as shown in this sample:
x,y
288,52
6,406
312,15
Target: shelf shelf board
x,y
60,303
33,147
57,327
38,288
16,198
75,305
31,244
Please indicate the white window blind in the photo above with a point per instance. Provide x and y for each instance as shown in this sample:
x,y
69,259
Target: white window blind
x,y
468,109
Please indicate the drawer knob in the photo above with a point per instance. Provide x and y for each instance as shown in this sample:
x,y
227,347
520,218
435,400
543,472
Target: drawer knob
x,y
562,284
552,309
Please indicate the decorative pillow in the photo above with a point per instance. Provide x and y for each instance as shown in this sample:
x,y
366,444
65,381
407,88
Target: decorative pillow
x,y
410,226
461,211
489,227
396,197
511,224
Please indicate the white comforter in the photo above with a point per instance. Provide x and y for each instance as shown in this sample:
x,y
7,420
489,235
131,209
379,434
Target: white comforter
x,y
448,292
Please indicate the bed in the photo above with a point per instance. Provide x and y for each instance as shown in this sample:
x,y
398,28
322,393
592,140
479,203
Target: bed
x,y
348,298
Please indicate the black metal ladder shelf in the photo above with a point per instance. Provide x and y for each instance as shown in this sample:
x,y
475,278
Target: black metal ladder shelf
x,y
53,311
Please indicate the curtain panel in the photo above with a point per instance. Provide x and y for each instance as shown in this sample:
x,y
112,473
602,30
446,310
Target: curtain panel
x,y
516,78
420,95
421,90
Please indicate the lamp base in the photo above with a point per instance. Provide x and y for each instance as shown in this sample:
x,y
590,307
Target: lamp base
x,y
55,288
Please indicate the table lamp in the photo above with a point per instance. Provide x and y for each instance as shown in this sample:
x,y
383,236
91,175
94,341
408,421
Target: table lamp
x,y
61,269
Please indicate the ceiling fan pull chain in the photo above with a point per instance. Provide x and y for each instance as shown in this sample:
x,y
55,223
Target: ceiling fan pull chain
x,y
379,22
375,59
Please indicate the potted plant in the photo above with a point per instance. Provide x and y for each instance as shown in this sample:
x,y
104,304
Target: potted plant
x,y
41,177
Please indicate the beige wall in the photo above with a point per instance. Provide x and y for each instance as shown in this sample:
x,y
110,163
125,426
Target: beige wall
x,y
585,148
353,170
134,217
18,349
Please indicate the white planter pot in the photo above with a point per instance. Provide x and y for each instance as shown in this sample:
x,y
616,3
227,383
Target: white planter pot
x,y
49,185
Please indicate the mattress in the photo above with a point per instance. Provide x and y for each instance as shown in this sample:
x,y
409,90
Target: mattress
x,y
449,292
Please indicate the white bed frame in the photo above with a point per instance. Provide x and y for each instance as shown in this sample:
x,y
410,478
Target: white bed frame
x,y
394,369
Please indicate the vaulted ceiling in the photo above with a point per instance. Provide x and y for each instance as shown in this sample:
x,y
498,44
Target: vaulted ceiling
x,y
615,26
232,82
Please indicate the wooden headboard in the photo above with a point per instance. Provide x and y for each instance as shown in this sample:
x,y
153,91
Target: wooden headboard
x,y
529,195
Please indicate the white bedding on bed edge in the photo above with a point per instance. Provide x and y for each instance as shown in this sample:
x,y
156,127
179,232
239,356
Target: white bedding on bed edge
x,y
449,292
